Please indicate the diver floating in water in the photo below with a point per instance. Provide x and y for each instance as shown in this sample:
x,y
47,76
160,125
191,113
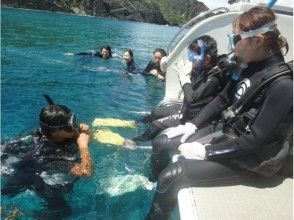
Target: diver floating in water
x,y
105,52
128,57
153,67
58,151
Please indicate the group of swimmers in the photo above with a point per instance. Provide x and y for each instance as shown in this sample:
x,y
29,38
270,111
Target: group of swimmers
x,y
152,69
235,121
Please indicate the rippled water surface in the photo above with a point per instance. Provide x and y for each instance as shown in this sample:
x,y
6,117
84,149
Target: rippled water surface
x,y
32,63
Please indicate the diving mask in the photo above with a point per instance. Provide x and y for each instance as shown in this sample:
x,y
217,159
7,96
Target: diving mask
x,y
234,39
198,58
194,57
70,126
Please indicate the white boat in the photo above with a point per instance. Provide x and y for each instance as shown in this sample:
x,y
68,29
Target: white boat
x,y
216,23
259,199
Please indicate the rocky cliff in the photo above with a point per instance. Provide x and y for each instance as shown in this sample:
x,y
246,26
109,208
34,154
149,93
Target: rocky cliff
x,y
172,12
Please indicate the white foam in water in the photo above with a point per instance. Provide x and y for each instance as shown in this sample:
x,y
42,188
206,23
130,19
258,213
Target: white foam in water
x,y
119,185
6,166
144,147
56,178
140,112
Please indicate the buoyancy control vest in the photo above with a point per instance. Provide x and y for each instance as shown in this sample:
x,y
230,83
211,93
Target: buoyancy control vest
x,y
219,74
246,108
239,116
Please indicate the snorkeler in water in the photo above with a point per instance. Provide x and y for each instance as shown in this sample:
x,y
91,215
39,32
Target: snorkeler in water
x,y
128,57
153,67
50,162
105,52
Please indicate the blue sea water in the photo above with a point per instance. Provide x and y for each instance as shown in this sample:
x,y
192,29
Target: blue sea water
x,y
33,63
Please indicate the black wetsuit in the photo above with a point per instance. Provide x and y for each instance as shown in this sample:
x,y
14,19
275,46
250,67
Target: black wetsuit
x,y
37,163
94,54
132,67
151,65
255,141
196,95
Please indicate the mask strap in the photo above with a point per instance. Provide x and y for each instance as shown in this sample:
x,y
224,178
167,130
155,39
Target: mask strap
x,y
202,48
261,30
70,122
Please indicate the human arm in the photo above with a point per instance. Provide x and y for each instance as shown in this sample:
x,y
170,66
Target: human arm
x,y
205,90
210,112
92,53
267,127
213,109
84,168
157,73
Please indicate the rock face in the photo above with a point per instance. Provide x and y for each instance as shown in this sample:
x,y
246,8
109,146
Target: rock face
x,y
173,12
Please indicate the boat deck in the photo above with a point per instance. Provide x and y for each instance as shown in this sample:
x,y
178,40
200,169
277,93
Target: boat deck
x,y
264,198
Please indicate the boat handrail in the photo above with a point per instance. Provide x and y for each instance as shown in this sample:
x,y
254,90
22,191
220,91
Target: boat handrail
x,y
194,20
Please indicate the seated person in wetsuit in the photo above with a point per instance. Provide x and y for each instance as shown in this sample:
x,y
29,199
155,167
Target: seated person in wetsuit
x,y
257,120
105,52
59,148
128,57
153,67
199,83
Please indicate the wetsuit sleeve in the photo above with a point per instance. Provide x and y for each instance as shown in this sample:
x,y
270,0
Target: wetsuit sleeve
x,y
205,90
275,108
213,109
132,68
96,54
151,65
147,69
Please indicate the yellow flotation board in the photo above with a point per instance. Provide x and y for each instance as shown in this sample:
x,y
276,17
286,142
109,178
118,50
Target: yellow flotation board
x,y
112,122
105,136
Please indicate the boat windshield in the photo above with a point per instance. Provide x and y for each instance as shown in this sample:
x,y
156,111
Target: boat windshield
x,y
183,31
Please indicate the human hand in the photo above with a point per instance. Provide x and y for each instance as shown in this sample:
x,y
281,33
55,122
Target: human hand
x,y
194,150
154,72
175,131
160,77
189,129
84,128
83,140
68,54
184,69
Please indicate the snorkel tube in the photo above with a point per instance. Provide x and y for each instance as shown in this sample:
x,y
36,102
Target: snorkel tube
x,y
48,99
271,3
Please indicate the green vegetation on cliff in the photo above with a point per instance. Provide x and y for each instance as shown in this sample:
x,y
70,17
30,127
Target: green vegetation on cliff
x,y
173,12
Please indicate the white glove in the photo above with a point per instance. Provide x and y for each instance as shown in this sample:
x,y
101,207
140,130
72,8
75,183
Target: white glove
x,y
194,150
184,69
175,131
189,129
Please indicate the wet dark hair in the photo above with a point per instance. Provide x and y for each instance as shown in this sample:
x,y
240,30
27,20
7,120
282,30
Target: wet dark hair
x,y
162,51
210,47
257,17
130,52
53,117
108,48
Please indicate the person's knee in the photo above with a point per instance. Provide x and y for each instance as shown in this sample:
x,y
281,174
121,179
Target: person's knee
x,y
168,176
159,143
